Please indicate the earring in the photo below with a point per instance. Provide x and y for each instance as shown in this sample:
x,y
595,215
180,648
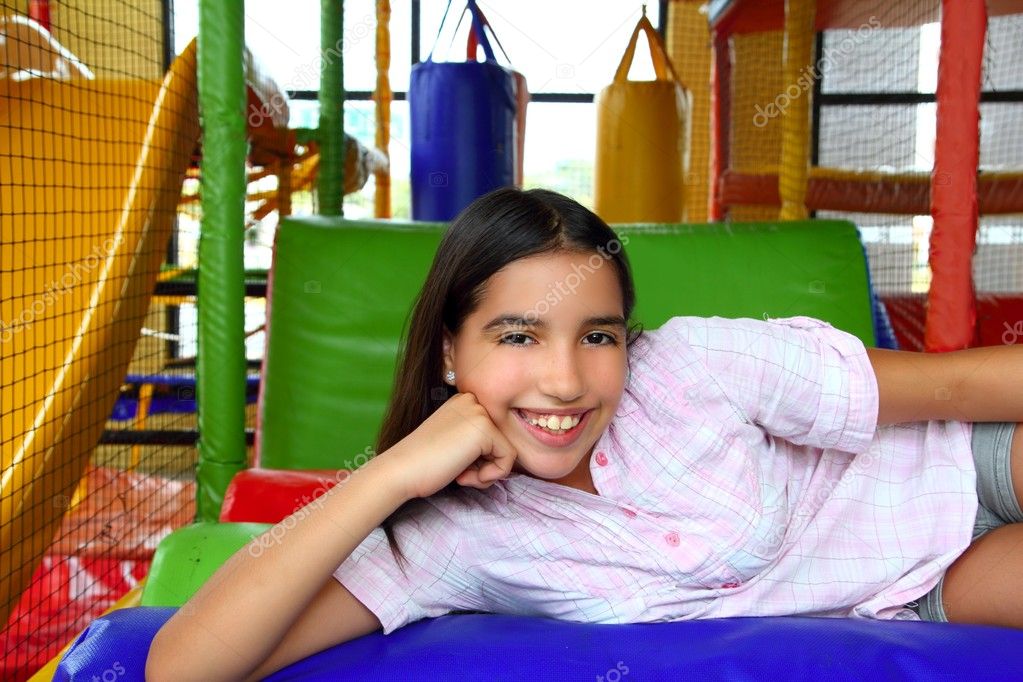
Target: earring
x,y
450,377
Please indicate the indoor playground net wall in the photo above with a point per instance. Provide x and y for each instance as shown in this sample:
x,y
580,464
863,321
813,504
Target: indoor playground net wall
x,y
877,113
99,176
94,144
872,83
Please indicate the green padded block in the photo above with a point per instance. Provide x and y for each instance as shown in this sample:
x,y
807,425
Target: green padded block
x,y
342,292
814,268
186,558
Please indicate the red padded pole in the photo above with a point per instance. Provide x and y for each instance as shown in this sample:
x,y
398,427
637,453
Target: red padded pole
x,y
951,309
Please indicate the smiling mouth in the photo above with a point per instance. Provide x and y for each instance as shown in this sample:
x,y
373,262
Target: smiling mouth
x,y
552,423
555,437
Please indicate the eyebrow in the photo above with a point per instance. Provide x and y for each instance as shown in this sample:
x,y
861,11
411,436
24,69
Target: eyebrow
x,y
512,320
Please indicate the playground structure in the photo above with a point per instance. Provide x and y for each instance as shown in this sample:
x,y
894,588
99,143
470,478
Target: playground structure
x,y
754,173
93,216
97,283
76,314
766,98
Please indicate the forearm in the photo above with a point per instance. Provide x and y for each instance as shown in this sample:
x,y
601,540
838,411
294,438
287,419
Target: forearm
x,y
990,384
977,384
244,610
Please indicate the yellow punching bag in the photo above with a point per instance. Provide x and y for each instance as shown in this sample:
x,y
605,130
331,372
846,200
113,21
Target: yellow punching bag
x,y
642,141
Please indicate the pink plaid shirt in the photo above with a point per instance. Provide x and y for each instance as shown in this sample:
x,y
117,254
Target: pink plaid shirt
x,y
743,474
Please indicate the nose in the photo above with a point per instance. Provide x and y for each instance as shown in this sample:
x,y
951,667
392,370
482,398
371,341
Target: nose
x,y
562,376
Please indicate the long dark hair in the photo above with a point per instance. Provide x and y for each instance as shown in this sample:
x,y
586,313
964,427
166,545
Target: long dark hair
x,y
493,231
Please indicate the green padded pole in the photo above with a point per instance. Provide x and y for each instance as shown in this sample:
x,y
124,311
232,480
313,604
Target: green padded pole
x,y
330,183
221,359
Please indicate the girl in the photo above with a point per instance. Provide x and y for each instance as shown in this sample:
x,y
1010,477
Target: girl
x,y
540,456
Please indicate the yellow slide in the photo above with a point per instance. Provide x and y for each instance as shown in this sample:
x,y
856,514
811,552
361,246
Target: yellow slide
x,y
90,176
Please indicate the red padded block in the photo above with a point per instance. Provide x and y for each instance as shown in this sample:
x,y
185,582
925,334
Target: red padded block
x,y
1000,319
268,495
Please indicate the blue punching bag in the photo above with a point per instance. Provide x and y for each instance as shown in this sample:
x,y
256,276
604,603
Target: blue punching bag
x,y
463,130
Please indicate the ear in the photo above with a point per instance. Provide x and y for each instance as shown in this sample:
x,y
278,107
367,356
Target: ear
x,y
449,350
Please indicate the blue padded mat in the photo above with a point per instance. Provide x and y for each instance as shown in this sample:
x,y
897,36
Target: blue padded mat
x,y
497,647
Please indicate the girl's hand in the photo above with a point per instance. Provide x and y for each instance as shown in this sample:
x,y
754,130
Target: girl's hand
x,y
458,442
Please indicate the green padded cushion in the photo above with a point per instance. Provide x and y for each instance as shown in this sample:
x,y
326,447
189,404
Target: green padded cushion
x,y
188,556
343,290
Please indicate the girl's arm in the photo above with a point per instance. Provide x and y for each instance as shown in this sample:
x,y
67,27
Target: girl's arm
x,y
976,384
266,606
240,616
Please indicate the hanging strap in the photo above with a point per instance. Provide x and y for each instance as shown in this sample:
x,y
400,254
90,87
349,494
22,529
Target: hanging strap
x,y
440,28
477,28
478,23
662,64
472,42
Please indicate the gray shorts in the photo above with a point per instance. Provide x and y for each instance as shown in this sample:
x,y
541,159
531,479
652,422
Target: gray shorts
x,y
991,443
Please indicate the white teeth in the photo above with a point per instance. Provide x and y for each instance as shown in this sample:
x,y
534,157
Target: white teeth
x,y
555,423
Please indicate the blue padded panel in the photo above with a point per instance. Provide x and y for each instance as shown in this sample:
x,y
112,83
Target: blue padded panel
x,y
117,642
495,647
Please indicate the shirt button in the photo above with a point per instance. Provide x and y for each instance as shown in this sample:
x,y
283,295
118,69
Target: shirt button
x,y
602,459
731,584
628,512
672,539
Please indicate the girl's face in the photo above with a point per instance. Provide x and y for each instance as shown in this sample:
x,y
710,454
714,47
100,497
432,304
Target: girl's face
x,y
548,337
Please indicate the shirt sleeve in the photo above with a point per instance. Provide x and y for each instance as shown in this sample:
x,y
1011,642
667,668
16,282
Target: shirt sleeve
x,y
434,581
798,378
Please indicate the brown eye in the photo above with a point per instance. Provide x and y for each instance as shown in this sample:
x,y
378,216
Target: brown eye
x,y
611,340
511,339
